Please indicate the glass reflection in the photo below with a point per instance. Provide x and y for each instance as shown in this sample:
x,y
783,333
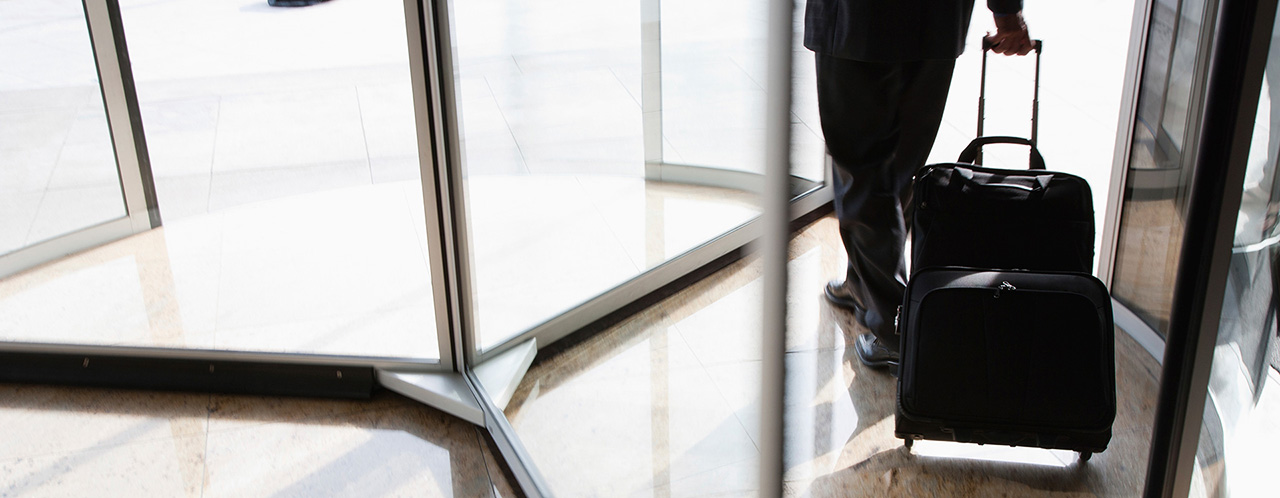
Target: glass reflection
x,y
59,166
286,137
559,205
284,152
1160,164
712,95
1243,404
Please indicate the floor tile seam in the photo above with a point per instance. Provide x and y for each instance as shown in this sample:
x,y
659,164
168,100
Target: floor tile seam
x,y
312,318
638,100
221,278
805,123
724,397
742,68
260,169
364,132
746,430
667,143
617,238
613,379
524,161
100,447
702,473
240,424
547,143
204,471
814,349
213,159
49,181
790,353
424,251
482,446
685,340
232,85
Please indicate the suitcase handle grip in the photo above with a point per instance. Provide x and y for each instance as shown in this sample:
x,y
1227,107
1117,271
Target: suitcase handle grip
x,y
988,45
970,153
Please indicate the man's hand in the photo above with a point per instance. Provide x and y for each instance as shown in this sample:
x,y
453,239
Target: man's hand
x,y
1011,36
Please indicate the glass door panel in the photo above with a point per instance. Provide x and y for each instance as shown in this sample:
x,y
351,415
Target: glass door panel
x,y
283,147
556,102
1160,163
558,206
712,89
58,166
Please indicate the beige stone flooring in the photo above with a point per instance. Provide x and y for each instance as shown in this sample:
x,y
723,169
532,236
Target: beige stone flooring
x,y
62,441
666,403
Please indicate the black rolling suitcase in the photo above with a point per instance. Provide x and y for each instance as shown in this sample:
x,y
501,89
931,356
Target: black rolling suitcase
x,y
1006,337
1018,358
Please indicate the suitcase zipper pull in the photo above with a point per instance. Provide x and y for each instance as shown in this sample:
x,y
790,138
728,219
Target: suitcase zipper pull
x,y
1004,286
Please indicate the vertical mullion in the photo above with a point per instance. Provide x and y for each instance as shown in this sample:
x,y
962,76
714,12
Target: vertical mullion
x,y
1234,82
776,219
1138,42
431,75
124,119
449,174
651,85
424,103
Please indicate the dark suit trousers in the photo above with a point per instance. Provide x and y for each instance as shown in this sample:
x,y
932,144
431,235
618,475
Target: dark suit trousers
x,y
879,121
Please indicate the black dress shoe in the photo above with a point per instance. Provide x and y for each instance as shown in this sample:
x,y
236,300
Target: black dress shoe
x,y
873,354
839,295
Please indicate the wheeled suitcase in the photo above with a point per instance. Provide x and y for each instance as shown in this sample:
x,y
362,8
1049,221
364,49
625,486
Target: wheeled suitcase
x,y
1006,337
1015,358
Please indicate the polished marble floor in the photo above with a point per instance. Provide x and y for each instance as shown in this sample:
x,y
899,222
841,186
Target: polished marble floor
x,y
666,403
345,272
65,441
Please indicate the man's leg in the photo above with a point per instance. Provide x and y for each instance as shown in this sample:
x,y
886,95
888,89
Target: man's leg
x,y
879,121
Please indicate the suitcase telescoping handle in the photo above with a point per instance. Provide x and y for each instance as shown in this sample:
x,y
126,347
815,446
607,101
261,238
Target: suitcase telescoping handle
x,y
1037,45
973,153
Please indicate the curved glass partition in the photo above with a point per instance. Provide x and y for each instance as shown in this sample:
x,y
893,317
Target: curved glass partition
x,y
60,171
284,156
710,91
1160,163
566,197
609,148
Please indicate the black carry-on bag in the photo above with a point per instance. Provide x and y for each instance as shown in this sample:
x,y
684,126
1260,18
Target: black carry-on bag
x,y
1006,336
968,215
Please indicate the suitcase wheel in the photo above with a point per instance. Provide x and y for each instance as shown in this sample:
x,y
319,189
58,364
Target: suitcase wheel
x,y
908,442
1085,456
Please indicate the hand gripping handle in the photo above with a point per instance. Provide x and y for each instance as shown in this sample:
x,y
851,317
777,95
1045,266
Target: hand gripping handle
x,y
987,45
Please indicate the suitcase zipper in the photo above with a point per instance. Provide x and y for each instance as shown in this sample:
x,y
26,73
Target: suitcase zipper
x,y
1004,286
